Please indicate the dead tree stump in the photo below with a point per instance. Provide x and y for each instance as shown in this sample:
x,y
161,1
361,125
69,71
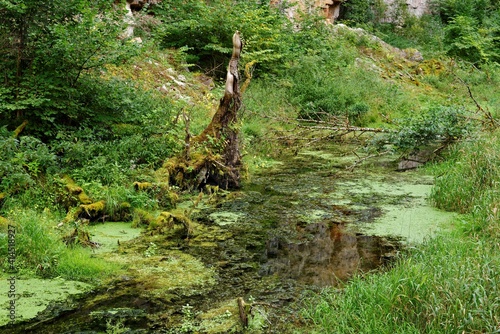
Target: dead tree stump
x,y
219,162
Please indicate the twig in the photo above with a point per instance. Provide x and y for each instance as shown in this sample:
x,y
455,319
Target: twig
x,y
487,114
350,168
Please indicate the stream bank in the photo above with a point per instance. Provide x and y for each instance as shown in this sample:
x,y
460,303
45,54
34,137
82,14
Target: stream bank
x,y
301,224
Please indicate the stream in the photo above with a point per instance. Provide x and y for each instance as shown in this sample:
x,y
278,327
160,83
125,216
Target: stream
x,y
298,225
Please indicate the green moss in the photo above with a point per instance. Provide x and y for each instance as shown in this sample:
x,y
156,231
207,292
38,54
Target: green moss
x,y
142,185
226,218
72,214
76,190
84,198
94,209
172,272
166,220
4,224
222,318
142,217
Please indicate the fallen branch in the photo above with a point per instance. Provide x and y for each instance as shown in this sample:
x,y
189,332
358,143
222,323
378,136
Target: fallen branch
x,y
360,160
348,128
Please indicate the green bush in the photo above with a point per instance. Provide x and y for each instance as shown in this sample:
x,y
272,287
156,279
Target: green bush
x,y
424,33
467,39
472,28
361,12
22,162
58,50
437,124
450,9
113,159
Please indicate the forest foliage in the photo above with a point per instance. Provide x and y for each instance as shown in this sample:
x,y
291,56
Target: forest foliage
x,y
88,118
95,110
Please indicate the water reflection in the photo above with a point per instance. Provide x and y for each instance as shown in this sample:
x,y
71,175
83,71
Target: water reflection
x,y
326,254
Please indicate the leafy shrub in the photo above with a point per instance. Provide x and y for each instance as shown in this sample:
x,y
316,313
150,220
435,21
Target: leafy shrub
x,y
444,124
472,28
90,156
363,12
323,86
424,33
58,51
468,40
23,160
450,9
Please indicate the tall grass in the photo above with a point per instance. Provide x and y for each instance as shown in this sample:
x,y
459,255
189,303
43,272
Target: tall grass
x,y
469,182
77,263
36,244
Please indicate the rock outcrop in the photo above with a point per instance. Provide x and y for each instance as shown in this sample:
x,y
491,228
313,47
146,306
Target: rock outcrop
x,y
132,6
332,8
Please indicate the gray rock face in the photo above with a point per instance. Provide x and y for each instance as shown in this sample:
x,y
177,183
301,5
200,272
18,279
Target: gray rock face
x,y
331,8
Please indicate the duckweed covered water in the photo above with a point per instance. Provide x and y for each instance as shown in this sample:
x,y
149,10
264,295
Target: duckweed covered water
x,y
300,225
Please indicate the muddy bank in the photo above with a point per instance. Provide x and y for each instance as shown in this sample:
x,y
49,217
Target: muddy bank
x,y
302,224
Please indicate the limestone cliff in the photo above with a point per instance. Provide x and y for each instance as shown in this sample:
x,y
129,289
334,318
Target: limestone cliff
x,y
332,8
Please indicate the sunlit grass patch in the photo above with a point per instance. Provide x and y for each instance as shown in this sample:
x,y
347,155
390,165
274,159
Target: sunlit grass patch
x,y
40,250
78,264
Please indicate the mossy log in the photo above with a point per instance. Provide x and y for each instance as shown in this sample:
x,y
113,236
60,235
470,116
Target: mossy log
x,y
81,237
76,190
164,222
142,185
94,209
167,220
142,217
213,157
19,129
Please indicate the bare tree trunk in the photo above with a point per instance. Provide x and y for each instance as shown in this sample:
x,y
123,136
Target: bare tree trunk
x,y
221,127
231,102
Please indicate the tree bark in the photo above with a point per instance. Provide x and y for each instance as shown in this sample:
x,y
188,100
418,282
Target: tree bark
x,y
222,128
